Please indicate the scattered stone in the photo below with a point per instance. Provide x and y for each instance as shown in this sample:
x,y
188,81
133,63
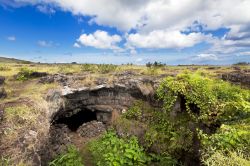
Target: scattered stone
x,y
91,129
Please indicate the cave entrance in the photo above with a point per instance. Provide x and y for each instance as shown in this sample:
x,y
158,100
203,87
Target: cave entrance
x,y
75,121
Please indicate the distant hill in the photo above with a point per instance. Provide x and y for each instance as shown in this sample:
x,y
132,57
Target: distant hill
x,y
13,60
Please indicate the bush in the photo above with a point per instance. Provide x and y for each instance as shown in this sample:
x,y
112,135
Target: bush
x,y
24,74
216,100
70,158
134,112
218,105
111,150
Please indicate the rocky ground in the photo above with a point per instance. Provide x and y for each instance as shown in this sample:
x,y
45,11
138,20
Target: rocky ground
x,y
35,139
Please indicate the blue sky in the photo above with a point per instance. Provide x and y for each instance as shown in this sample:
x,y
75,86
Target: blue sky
x,y
132,31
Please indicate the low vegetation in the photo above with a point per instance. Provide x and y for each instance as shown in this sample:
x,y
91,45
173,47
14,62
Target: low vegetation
x,y
24,74
111,150
222,108
70,158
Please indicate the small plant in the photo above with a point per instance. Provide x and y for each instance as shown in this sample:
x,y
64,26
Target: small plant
x,y
111,150
70,158
24,74
134,112
162,160
4,161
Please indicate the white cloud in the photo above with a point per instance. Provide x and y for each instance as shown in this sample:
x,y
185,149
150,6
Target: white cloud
x,y
139,59
246,53
162,17
44,43
226,44
46,9
133,52
76,45
157,14
11,38
165,39
100,39
205,57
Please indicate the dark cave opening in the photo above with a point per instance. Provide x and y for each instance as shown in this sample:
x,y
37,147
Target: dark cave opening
x,y
75,121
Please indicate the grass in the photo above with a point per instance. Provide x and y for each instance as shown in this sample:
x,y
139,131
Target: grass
x,y
19,120
220,158
24,106
10,69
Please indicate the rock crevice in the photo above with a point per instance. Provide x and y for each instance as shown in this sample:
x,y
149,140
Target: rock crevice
x,y
87,112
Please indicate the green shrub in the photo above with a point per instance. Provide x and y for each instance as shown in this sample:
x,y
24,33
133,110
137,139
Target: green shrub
x,y
106,68
134,112
111,150
218,103
215,99
70,158
24,74
227,138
